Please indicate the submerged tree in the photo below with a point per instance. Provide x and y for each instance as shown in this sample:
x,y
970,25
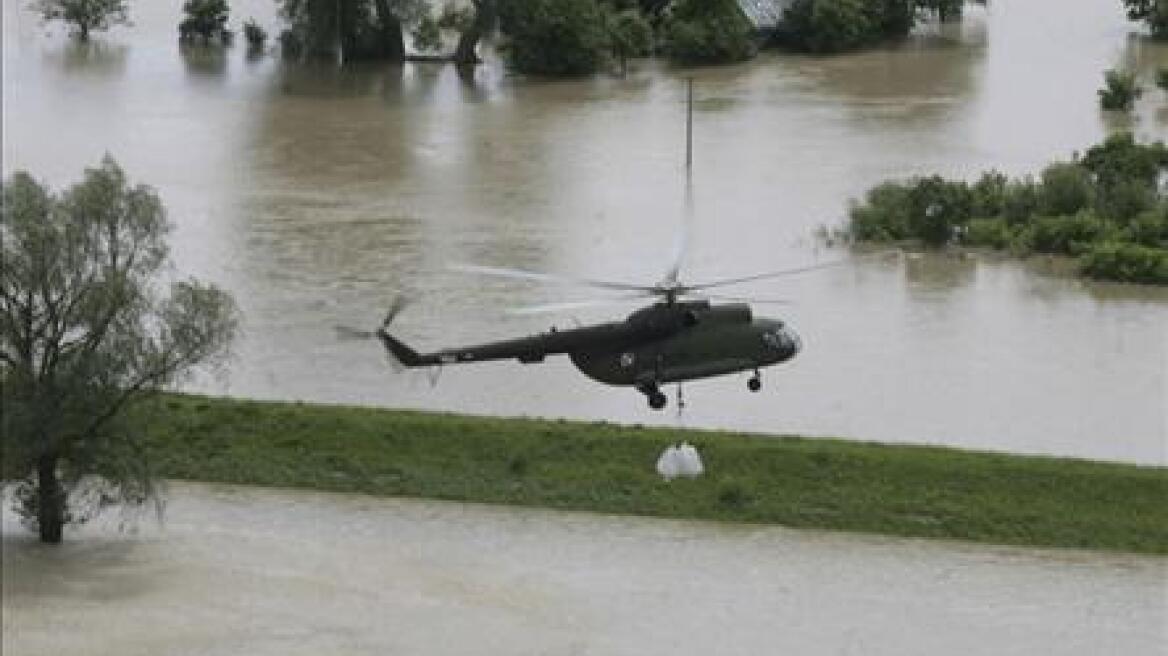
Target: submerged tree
x,y
708,31
427,34
1120,90
472,28
351,30
206,19
554,37
826,26
85,15
1152,12
86,332
255,34
630,34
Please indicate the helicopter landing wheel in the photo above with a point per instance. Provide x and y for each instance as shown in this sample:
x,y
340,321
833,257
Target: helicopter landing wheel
x,y
657,400
755,383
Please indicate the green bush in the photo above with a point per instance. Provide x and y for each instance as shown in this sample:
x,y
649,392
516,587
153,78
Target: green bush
x,y
1125,199
1066,189
883,216
1126,175
708,32
1121,158
929,209
1110,196
1126,263
554,37
989,194
988,233
937,207
1162,78
1150,228
1119,91
1020,201
1067,235
629,33
825,26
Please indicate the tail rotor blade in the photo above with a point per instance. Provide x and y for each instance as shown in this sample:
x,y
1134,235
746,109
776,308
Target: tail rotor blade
x,y
398,305
349,333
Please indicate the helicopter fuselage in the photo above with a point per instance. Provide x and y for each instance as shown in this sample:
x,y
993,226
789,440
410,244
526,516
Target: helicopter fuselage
x,y
657,344
693,352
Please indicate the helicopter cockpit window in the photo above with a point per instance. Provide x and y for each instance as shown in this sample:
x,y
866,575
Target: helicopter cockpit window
x,y
772,339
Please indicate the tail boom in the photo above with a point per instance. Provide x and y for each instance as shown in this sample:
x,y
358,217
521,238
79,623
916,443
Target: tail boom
x,y
404,354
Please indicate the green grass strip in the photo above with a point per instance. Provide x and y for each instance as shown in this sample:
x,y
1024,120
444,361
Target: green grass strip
x,y
821,483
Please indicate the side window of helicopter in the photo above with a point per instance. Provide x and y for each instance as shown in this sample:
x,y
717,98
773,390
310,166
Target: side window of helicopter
x,y
772,340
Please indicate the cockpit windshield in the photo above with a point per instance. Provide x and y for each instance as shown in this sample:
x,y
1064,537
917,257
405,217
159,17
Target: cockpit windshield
x,y
781,339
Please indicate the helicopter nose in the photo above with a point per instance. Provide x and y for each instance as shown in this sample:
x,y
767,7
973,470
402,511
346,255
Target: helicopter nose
x,y
791,341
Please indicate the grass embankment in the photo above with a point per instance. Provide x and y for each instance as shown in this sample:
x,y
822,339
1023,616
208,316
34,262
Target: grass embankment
x,y
831,484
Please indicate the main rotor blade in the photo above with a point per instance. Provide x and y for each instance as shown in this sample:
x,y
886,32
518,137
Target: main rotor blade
x,y
520,274
577,305
748,299
764,276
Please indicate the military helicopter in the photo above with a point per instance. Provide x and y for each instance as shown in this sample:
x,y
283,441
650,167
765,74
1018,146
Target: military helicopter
x,y
673,340
677,338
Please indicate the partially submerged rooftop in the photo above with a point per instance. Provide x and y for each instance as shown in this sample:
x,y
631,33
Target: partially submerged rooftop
x,y
764,15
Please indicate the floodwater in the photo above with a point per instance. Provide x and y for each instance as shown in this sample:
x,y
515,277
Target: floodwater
x,y
247,570
318,195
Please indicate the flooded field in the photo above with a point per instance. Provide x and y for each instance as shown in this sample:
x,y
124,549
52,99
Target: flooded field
x,y
246,570
317,196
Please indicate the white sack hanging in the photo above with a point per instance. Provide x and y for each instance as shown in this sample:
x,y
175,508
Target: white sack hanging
x,y
689,463
669,464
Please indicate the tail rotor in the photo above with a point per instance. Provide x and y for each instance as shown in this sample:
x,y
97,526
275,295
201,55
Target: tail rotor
x,y
349,333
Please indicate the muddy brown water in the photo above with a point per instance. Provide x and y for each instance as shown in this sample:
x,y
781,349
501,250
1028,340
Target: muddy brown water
x,y
317,195
253,571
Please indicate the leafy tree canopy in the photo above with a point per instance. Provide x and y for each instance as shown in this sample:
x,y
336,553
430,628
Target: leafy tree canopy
x,y
825,26
84,15
629,33
708,31
1119,91
205,18
87,331
363,29
554,37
